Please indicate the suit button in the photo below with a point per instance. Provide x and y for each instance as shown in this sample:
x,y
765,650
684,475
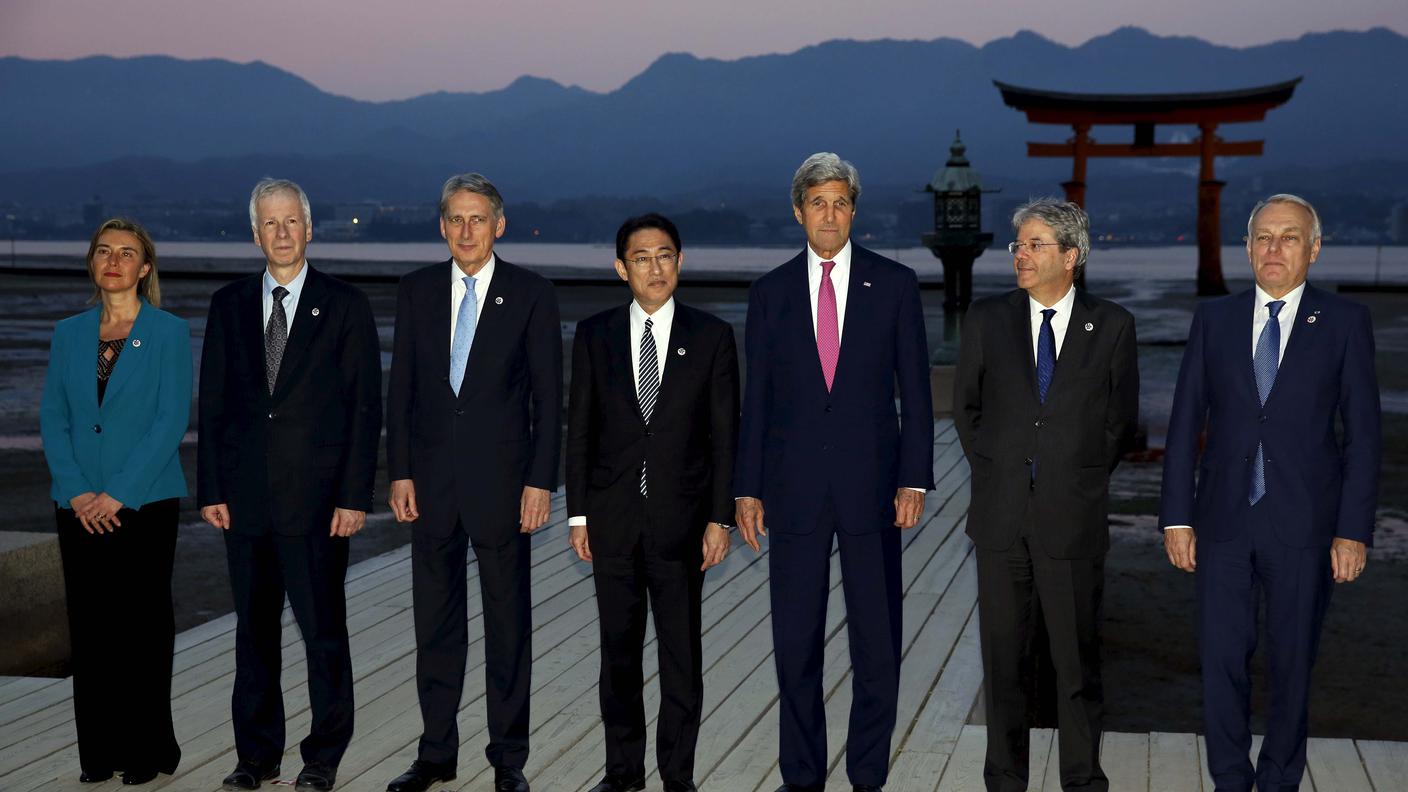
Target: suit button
x,y
1028,461
825,446
828,408
272,416
98,428
648,433
445,380
459,412
1246,459
1040,424
1263,419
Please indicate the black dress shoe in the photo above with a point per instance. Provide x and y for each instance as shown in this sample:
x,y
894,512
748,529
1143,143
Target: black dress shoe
x,y
134,777
800,788
509,779
610,784
680,786
316,775
97,776
248,775
866,788
421,776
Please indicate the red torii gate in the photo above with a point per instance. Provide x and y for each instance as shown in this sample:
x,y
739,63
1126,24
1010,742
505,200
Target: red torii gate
x,y
1144,112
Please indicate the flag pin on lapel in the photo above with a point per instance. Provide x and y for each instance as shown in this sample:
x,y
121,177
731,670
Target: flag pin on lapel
x,y
1089,326
866,284
1311,319
315,312
498,301
136,342
680,351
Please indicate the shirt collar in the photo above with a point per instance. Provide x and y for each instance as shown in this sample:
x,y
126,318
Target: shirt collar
x,y
842,258
663,315
485,272
1292,299
1063,306
295,286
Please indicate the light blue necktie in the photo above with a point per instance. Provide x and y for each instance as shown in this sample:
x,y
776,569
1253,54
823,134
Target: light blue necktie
x,y
1264,365
464,334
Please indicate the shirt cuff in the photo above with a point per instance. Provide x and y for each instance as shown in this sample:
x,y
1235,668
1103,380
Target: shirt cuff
x,y
1167,527
573,522
917,489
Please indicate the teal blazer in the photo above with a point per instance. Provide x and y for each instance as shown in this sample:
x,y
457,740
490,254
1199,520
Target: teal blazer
x,y
127,448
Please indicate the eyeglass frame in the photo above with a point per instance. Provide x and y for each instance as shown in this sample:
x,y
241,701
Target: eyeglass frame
x,y
1034,246
667,259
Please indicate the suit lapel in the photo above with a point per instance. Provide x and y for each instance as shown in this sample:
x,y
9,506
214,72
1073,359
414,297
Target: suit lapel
x,y
306,324
1241,320
677,349
800,294
438,316
136,348
85,360
249,329
1076,342
1019,323
857,312
1303,330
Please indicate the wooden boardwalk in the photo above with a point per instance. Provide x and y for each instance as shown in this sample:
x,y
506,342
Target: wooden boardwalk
x,y
934,748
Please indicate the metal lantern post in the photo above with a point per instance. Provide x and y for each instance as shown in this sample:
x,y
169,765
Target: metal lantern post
x,y
958,238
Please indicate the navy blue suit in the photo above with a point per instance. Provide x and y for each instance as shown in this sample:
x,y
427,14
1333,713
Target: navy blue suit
x,y
1320,485
828,464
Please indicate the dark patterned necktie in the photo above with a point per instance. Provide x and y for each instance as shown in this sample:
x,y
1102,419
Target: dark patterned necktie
x,y
1045,353
649,386
275,337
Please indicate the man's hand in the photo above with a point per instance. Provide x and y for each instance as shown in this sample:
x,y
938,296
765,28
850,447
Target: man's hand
x,y
1181,544
1347,559
577,537
533,509
750,521
346,522
909,504
716,543
78,504
217,515
403,500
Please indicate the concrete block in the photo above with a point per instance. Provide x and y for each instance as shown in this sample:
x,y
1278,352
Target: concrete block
x,y
33,610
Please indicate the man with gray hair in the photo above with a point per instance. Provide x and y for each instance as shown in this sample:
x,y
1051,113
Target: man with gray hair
x,y
473,430
1283,503
824,449
1045,400
289,428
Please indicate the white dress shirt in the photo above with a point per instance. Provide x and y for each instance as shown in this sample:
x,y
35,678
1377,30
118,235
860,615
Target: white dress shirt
x,y
663,320
295,289
457,292
1286,317
840,280
1059,322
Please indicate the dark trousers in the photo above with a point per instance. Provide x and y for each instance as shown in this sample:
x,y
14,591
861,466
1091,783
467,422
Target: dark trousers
x,y
1296,583
442,642
122,633
799,569
312,571
672,589
1013,585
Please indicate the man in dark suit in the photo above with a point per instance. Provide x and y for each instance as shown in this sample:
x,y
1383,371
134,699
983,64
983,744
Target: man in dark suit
x,y
473,427
829,336
1283,504
1045,400
652,431
290,418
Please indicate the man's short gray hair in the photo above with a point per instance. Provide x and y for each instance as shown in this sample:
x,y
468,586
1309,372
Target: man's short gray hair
x,y
267,187
1068,222
475,183
1290,199
820,168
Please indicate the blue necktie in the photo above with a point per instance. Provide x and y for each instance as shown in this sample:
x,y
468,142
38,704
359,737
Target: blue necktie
x,y
1264,365
1045,353
464,334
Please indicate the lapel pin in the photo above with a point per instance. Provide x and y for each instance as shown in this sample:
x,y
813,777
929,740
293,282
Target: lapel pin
x,y
498,301
1310,319
136,342
680,351
866,284
315,311
1089,326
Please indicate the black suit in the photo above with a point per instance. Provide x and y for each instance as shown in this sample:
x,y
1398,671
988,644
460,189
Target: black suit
x,y
1039,512
282,463
470,456
649,548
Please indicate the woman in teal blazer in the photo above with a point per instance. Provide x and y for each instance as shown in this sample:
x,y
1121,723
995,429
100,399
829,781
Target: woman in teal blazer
x,y
116,404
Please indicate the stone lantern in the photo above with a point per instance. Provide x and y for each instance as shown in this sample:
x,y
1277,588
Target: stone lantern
x,y
958,238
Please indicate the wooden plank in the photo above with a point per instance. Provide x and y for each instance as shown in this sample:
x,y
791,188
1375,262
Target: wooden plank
x,y
1125,760
1385,762
1334,764
1043,746
1173,763
964,772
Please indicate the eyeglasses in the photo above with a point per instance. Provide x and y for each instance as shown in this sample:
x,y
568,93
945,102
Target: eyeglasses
x,y
664,260
1032,247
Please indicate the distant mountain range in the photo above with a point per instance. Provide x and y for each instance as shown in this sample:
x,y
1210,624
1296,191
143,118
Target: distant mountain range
x,y
705,130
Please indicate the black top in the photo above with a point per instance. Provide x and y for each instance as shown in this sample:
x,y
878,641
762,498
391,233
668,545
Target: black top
x,y
107,359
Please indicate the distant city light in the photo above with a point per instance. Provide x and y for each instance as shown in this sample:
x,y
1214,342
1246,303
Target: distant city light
x,y
354,221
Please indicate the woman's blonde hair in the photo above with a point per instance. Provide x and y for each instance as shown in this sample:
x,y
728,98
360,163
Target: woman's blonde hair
x,y
149,286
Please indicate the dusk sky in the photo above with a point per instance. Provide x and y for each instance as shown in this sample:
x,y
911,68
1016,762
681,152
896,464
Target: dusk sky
x,y
395,50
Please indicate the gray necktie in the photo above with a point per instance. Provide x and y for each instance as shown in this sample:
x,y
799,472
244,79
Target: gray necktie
x,y
275,337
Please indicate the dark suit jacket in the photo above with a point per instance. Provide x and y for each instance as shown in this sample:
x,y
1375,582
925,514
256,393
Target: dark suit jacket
x,y
1319,486
470,456
688,447
1075,438
798,442
282,462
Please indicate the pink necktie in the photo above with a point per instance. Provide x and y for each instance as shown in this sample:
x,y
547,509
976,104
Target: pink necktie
x,y
828,334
